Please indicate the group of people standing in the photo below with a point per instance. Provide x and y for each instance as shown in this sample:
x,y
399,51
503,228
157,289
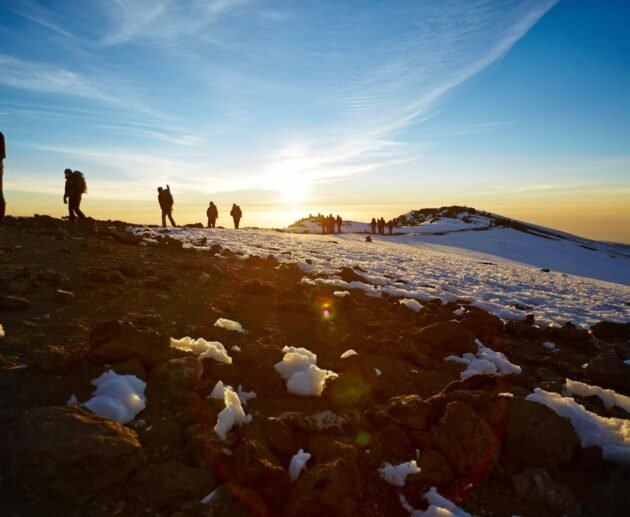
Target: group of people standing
x,y
329,223
380,224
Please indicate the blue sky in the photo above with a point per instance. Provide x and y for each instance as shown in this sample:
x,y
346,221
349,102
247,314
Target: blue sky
x,y
520,107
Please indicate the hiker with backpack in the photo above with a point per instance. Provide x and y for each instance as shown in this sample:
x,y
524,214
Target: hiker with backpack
x,y
236,214
213,214
74,190
165,198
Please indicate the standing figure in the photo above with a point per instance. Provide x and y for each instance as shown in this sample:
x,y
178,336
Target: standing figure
x,y
390,225
330,224
165,198
373,225
322,222
236,214
74,190
3,155
381,226
339,222
213,214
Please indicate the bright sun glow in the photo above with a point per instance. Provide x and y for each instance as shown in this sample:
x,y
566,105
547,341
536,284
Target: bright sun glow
x,y
293,191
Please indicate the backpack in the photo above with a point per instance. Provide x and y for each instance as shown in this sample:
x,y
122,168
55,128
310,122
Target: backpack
x,y
79,182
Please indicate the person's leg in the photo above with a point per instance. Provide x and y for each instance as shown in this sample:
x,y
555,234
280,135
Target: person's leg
x,y
163,218
71,214
77,207
3,205
209,223
170,216
237,222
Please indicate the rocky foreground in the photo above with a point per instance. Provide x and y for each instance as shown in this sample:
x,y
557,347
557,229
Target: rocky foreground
x,y
78,300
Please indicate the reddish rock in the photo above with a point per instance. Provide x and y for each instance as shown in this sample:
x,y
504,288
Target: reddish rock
x,y
483,325
608,371
445,338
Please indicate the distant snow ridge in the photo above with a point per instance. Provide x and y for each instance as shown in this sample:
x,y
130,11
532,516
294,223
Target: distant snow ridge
x,y
485,362
203,349
117,397
299,368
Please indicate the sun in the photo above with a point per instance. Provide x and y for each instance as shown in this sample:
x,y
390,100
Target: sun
x,y
293,191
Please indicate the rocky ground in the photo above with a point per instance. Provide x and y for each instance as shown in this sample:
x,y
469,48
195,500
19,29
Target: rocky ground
x,y
77,300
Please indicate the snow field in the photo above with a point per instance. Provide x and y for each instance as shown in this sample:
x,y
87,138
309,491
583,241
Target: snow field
x,y
430,271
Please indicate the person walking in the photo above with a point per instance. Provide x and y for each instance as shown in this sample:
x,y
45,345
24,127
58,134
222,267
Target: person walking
x,y
74,189
236,214
390,226
339,222
373,225
213,214
165,198
3,155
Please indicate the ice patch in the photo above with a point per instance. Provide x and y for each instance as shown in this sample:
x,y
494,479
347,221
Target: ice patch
x,y
549,345
348,353
412,304
217,391
299,368
397,474
73,401
203,349
627,361
341,294
439,506
612,435
210,496
506,394
298,464
117,397
232,415
459,312
485,362
226,324
377,372
244,396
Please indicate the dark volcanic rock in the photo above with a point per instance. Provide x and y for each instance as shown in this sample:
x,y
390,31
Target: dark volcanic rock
x,y
68,455
350,275
235,500
115,341
484,325
14,303
611,331
56,360
171,483
608,371
176,377
408,411
467,442
537,487
442,339
64,297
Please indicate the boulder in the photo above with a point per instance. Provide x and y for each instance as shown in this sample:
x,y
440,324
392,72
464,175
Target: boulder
x,y
442,339
434,469
64,297
607,370
259,468
275,434
408,411
176,377
56,360
355,385
130,367
536,486
326,489
350,275
171,483
611,331
467,442
66,454
235,500
483,325
115,341
325,449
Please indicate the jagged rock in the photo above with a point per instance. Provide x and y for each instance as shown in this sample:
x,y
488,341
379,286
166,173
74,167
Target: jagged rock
x,y
434,469
326,489
176,377
66,454
130,367
483,325
145,320
14,303
408,411
259,468
65,297
611,331
115,341
467,442
408,351
56,360
355,385
275,434
569,335
324,421
442,339
533,435
537,487
324,449
608,371
350,275
171,483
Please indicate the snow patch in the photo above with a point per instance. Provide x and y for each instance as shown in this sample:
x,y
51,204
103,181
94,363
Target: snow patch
x,y
117,397
232,415
439,506
299,368
609,397
612,435
348,353
397,474
203,349
226,324
298,464
341,294
412,304
377,372
2,333
549,345
485,362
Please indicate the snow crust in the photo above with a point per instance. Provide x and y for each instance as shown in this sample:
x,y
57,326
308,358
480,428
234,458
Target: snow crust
x,y
299,368
340,294
298,464
397,474
414,305
203,349
117,397
485,362
549,345
439,506
610,398
612,435
232,415
453,267
226,324
348,353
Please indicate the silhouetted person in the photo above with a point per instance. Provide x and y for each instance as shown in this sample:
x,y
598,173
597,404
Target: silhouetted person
x,y
330,224
74,190
213,214
373,225
236,214
3,155
381,226
322,222
339,222
390,226
165,198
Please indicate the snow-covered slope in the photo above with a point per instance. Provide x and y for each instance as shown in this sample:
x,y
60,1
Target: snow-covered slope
x,y
407,267
492,237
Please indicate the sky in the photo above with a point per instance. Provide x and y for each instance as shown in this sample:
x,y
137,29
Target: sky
x,y
292,107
